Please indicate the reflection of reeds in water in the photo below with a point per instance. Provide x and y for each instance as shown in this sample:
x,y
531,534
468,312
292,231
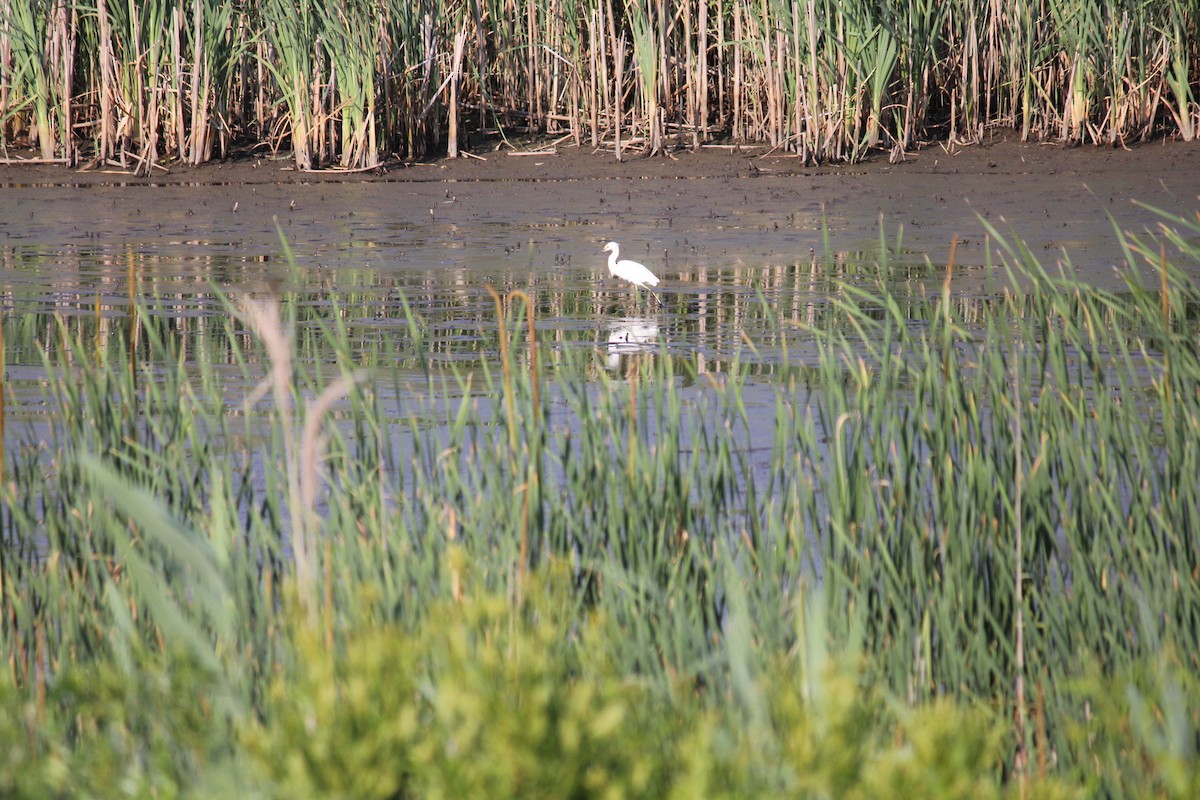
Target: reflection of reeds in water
x,y
351,83
706,310
705,318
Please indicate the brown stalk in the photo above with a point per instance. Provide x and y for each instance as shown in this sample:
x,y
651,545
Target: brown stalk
x,y
596,60
950,261
1166,297
460,39
531,62
481,62
264,319
618,108
179,124
1166,314
946,304
702,71
134,316
738,105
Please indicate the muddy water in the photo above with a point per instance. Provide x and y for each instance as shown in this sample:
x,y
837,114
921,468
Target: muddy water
x,y
736,238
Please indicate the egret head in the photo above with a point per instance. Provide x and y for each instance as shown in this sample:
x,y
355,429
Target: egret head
x,y
611,247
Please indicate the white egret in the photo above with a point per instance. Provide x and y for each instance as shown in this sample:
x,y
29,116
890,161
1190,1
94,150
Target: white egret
x,y
631,271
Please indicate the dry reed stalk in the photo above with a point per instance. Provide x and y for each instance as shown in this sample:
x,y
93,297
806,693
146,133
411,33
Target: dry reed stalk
x,y
5,63
618,106
194,148
813,138
66,17
303,468
460,40
531,73
596,63
748,68
1166,321
739,132
264,318
551,42
481,62
662,87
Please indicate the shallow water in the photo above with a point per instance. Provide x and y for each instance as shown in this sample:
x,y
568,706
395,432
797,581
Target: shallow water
x,y
360,258
748,266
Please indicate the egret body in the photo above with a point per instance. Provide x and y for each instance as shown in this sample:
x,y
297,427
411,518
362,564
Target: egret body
x,y
630,271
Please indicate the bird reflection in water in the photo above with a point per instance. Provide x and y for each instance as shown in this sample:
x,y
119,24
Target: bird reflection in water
x,y
629,337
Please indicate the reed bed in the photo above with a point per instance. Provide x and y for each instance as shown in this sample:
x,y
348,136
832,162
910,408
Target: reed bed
x,y
359,83
966,564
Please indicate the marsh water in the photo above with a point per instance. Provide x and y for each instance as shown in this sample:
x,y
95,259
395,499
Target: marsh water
x,y
751,251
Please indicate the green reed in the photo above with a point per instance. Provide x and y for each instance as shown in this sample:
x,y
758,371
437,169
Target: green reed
x,y
217,48
37,72
969,534
354,84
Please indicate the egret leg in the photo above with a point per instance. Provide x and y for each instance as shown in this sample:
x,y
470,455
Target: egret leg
x,y
649,291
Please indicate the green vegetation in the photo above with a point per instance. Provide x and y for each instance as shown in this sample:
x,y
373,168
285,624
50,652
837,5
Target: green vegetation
x,y
358,82
966,566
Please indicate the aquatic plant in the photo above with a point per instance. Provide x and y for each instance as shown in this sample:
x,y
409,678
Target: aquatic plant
x,y
354,84
966,561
